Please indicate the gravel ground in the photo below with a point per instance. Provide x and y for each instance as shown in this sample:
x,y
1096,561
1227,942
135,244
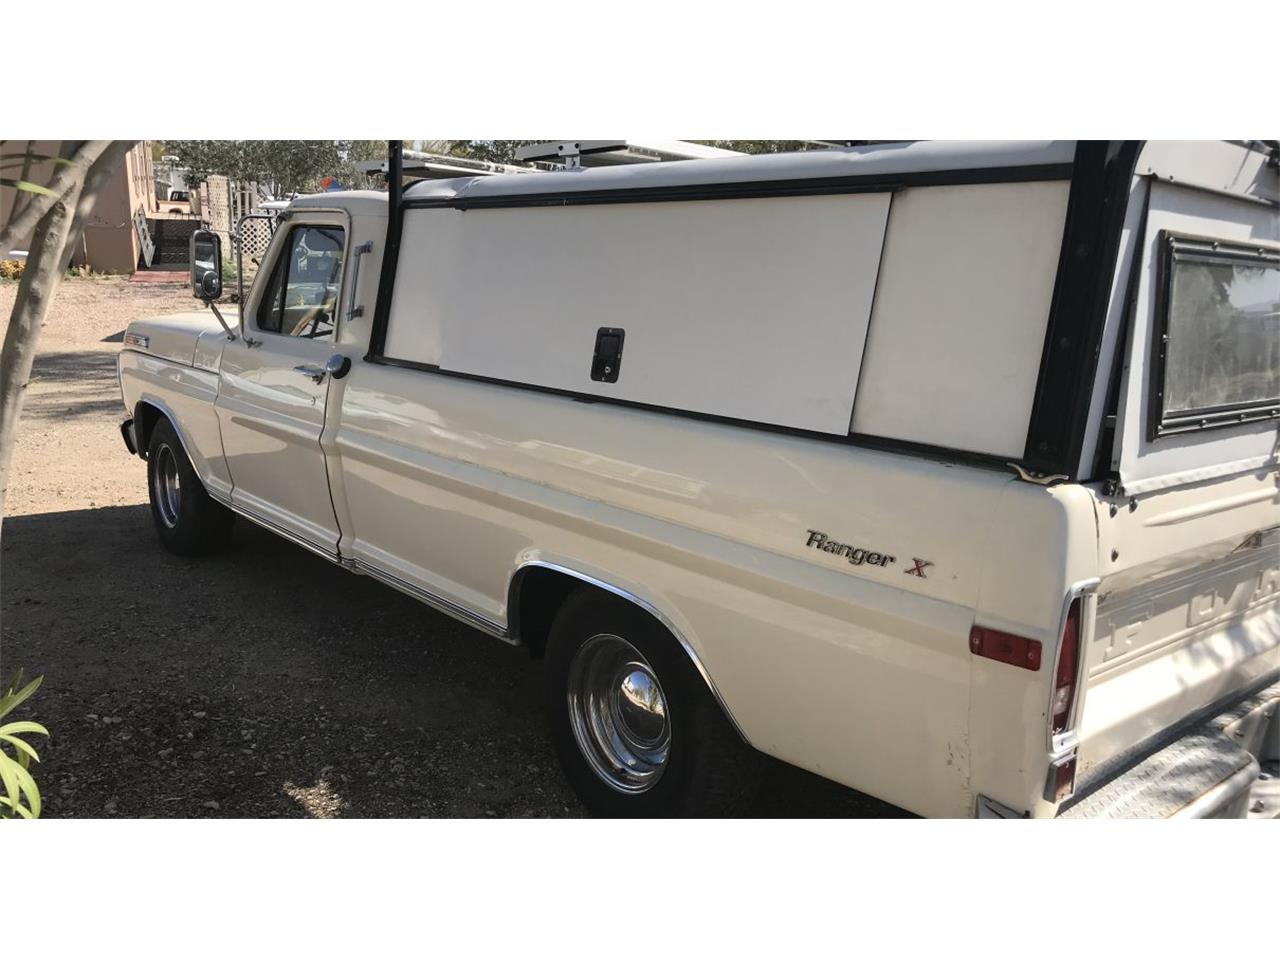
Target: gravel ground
x,y
261,683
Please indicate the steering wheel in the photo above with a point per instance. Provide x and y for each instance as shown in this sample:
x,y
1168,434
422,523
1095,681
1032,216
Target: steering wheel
x,y
316,318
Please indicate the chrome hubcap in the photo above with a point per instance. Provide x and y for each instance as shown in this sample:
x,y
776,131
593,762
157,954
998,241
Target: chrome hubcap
x,y
619,714
168,487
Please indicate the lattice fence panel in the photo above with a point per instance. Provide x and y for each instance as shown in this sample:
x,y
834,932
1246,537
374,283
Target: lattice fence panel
x,y
254,233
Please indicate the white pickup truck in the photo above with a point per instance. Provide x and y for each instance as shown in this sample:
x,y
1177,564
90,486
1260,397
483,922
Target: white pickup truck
x,y
947,471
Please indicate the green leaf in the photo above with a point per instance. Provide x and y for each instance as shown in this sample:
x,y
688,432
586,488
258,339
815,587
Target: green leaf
x,y
27,186
11,700
24,726
9,778
14,683
21,745
28,785
21,810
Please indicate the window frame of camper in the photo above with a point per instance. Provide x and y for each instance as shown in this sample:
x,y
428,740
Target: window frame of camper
x,y
1100,175
1174,248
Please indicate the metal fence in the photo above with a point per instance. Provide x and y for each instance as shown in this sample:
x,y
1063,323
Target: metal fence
x,y
172,240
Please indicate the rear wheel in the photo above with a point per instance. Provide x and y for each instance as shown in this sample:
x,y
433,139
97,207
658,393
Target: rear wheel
x,y
187,519
637,730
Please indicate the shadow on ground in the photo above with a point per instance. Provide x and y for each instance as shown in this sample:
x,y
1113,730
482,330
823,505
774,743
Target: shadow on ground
x,y
267,682
71,384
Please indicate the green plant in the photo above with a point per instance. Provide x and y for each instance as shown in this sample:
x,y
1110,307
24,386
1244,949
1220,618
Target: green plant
x,y
15,772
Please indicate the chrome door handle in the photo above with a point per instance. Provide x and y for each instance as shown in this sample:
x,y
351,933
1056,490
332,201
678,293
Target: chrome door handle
x,y
315,373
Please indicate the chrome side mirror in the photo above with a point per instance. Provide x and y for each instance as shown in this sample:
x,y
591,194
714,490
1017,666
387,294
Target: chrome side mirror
x,y
206,273
206,265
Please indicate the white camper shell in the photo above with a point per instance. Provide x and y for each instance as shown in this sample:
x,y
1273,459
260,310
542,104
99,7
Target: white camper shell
x,y
945,470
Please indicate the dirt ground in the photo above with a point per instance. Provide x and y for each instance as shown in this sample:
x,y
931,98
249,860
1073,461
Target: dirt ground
x,y
264,682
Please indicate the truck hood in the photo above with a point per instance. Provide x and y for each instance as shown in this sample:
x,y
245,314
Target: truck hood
x,y
174,337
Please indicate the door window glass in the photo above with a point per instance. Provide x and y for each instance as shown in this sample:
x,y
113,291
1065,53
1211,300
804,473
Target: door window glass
x,y
302,298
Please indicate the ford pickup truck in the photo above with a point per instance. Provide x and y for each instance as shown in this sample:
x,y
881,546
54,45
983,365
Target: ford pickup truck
x,y
946,471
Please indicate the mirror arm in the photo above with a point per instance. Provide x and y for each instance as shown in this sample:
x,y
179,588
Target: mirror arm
x,y
218,313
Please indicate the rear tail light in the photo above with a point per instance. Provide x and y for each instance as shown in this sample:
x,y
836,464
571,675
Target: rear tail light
x,y
1005,647
1026,653
1064,681
1062,779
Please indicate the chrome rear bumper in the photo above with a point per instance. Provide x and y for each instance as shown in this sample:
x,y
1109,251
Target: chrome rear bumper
x,y
1225,767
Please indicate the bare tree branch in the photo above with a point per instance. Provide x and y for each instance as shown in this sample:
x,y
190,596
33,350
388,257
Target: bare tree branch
x,y
70,175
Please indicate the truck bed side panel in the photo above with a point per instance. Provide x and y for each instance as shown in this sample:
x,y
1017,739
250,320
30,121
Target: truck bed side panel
x,y
857,671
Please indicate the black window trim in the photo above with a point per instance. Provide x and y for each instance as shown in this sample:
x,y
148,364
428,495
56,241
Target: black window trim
x,y
1173,247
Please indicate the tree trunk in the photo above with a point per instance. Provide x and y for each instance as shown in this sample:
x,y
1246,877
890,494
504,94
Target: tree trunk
x,y
51,247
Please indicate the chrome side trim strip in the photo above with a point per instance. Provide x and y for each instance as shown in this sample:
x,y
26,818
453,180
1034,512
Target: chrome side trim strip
x,y
643,605
448,607
274,528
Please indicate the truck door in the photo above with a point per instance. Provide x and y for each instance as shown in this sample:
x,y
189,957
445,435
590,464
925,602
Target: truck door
x,y
273,390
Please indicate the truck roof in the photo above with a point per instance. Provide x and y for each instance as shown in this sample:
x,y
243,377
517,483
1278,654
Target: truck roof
x,y
874,160
367,202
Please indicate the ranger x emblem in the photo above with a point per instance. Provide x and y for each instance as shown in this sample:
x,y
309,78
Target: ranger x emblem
x,y
918,569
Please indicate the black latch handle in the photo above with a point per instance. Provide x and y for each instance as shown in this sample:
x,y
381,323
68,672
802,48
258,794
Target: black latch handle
x,y
607,361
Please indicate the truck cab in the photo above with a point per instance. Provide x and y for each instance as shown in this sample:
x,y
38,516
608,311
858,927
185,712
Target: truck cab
x,y
945,471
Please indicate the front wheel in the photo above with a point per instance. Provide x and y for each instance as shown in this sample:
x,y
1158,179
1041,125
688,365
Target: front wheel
x,y
187,519
636,728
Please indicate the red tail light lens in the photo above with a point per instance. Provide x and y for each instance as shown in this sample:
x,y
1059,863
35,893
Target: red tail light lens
x,y
1064,681
1005,647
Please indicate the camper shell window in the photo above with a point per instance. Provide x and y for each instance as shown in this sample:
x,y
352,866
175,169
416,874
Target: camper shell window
x,y
1217,343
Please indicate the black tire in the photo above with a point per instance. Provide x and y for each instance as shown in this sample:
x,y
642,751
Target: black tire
x,y
188,521
708,770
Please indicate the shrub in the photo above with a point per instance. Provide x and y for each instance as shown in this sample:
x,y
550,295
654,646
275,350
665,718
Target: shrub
x,y
11,269
15,773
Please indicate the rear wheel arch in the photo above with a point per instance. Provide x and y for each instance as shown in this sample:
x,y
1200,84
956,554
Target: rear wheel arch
x,y
539,590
